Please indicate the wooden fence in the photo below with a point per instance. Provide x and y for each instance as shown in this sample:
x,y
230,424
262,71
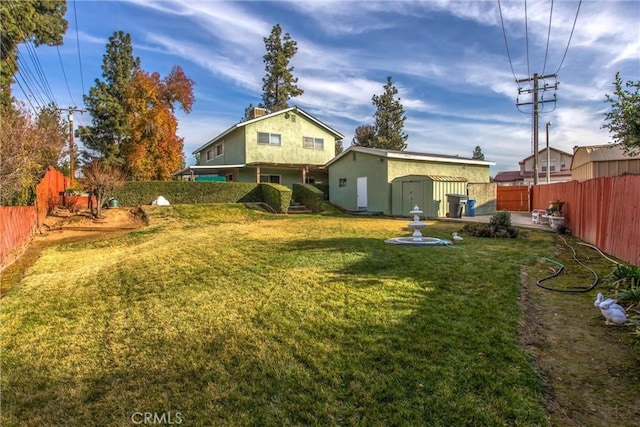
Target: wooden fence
x,y
604,212
18,224
513,198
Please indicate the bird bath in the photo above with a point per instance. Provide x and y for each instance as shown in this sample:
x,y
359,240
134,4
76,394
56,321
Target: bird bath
x,y
416,238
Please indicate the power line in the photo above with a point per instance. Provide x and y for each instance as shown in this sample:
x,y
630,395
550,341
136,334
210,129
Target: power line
x,y
546,52
75,15
504,33
570,36
65,75
526,35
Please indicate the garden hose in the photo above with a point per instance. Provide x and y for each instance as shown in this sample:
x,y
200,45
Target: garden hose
x,y
561,269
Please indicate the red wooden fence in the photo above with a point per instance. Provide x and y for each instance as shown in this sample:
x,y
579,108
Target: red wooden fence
x,y
513,198
18,224
604,212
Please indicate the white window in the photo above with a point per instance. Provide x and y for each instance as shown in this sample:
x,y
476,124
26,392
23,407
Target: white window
x,y
273,179
552,167
219,149
316,143
268,138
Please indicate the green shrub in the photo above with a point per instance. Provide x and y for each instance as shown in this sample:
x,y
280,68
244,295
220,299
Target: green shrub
x,y
499,226
135,193
277,196
309,196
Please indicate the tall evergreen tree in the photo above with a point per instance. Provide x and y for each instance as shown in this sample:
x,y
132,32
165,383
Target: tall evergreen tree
x,y
106,101
477,153
38,21
389,119
365,136
279,85
623,121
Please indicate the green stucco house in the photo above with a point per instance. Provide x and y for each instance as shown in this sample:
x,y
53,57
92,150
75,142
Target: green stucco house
x,y
390,182
285,147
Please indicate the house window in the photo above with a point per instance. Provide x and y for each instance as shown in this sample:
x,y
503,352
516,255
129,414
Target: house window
x,y
342,182
229,177
208,154
273,179
552,167
562,165
268,138
219,149
316,143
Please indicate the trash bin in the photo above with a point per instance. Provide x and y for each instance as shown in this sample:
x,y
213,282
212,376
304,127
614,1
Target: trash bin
x,y
471,208
455,204
113,203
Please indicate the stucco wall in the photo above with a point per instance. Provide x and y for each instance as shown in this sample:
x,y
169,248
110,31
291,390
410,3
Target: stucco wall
x,y
485,196
473,173
350,167
292,128
233,150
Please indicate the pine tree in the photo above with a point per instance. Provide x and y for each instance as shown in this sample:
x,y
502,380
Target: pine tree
x,y
477,153
365,136
389,119
106,101
41,22
279,85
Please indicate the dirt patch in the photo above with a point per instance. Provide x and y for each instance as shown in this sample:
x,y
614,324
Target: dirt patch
x,y
63,226
590,371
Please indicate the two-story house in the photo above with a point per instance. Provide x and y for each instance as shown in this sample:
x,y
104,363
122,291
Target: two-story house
x,y
558,163
285,147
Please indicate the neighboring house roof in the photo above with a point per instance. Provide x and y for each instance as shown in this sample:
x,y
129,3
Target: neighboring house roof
x,y
297,110
409,155
550,149
599,153
508,176
511,176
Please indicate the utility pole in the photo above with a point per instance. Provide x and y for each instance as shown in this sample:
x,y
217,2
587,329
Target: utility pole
x,y
548,156
536,102
71,110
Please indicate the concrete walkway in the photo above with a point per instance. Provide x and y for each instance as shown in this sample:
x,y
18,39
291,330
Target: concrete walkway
x,y
518,219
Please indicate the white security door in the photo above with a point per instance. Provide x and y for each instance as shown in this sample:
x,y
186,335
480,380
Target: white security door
x,y
361,194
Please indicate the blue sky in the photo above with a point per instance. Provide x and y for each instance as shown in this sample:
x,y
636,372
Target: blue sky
x,y
447,58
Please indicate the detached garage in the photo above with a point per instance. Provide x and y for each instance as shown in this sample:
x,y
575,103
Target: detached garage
x,y
429,192
364,179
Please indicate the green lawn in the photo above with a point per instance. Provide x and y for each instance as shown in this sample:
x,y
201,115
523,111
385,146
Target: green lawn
x,y
218,315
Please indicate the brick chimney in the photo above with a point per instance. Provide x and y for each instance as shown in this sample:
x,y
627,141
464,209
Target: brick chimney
x,y
257,112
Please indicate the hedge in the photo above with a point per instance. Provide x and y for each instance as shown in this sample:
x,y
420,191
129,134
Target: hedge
x,y
135,193
308,195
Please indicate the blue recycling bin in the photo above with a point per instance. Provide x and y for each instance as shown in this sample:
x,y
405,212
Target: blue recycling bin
x,y
471,208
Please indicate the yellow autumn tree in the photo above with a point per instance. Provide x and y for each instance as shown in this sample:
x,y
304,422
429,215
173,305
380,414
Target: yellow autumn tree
x,y
154,150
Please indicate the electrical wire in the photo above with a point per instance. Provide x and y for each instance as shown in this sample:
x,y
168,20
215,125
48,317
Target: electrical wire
x,y
570,36
504,33
526,35
546,52
64,74
75,15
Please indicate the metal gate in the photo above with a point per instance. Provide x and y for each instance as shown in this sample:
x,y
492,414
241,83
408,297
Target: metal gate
x,y
513,198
